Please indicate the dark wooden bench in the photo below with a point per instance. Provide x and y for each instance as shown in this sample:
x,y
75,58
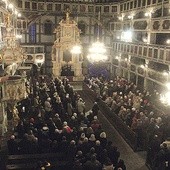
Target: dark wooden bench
x,y
61,165
12,159
30,161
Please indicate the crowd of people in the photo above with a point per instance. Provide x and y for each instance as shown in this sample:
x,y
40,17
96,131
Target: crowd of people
x,y
53,119
137,111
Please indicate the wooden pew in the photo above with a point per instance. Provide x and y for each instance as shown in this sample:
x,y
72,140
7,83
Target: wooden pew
x,y
30,161
35,157
61,165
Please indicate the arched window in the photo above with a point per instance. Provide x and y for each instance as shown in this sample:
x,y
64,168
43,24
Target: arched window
x,y
48,27
32,33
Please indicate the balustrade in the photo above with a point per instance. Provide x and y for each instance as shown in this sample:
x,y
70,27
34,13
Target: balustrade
x,y
153,52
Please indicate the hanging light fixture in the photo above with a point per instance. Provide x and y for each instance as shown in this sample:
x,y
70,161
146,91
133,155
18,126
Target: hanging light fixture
x,y
97,52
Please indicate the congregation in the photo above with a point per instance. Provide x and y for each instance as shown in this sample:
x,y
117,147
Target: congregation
x,y
137,110
53,119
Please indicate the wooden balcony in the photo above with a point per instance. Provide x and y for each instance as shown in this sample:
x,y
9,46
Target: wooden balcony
x,y
156,53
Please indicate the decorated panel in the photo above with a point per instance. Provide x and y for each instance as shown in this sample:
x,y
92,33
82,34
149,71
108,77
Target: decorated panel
x,y
156,25
141,71
140,25
14,88
133,68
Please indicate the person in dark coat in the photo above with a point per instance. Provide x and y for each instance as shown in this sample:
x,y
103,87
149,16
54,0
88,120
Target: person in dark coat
x,y
103,139
72,149
113,153
12,146
63,145
91,153
92,164
20,129
95,109
121,165
79,156
77,165
85,146
58,121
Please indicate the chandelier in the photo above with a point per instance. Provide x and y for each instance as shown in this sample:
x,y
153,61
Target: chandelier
x,y
97,52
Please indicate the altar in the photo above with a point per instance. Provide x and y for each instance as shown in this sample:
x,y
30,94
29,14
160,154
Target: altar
x,y
65,61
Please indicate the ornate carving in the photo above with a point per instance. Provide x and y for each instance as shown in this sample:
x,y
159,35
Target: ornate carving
x,y
140,25
166,24
68,35
156,25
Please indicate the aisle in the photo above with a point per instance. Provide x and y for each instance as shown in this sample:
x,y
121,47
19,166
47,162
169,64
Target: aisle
x,y
133,160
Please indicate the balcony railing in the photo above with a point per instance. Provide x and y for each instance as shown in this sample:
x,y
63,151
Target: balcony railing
x,y
152,52
78,7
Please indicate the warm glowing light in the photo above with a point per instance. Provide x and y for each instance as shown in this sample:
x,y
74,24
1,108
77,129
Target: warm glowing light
x,y
148,14
120,18
165,74
145,40
16,12
142,66
76,49
97,47
11,6
126,36
168,41
168,86
97,58
18,36
118,58
165,99
97,52
130,17
19,14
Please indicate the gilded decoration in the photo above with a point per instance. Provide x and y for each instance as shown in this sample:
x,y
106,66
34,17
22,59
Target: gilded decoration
x,y
11,52
65,62
14,89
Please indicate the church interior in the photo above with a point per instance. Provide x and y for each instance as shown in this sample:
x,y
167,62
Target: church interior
x,y
85,84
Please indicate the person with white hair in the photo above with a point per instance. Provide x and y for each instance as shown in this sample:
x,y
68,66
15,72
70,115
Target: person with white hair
x,y
47,105
108,101
66,128
81,106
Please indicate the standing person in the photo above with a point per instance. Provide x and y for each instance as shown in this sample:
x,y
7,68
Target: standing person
x,y
121,165
48,107
92,164
95,109
81,106
12,146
